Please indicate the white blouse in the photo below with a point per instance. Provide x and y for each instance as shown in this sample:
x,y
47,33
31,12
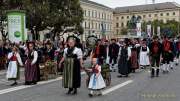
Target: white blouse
x,y
19,60
76,51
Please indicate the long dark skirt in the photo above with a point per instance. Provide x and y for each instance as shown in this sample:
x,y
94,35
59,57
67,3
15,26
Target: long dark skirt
x,y
72,73
124,67
134,60
31,72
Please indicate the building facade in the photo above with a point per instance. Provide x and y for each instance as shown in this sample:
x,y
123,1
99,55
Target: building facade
x,y
148,13
98,20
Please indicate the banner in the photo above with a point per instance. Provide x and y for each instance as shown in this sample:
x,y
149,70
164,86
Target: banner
x,y
149,30
138,29
16,26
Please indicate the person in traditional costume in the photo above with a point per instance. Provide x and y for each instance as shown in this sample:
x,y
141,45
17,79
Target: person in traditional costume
x,y
2,56
134,57
59,55
49,57
155,54
31,71
96,82
99,52
124,67
173,54
49,51
167,47
15,61
113,53
144,55
73,60
177,50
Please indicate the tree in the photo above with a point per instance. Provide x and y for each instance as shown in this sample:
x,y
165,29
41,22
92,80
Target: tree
x,y
65,13
124,31
41,14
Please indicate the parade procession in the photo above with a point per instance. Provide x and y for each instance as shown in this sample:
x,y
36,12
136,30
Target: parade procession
x,y
82,50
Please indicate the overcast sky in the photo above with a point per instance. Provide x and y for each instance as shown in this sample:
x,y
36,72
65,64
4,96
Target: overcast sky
x,y
121,3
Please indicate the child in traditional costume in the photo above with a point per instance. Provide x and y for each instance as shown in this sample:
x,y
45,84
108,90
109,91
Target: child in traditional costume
x,y
96,82
13,67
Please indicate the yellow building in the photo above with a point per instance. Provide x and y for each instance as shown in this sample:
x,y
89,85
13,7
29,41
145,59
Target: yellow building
x,y
98,19
160,11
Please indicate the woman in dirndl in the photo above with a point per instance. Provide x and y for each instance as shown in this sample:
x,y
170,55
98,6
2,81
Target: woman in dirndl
x,y
72,59
134,58
124,65
13,66
144,55
31,68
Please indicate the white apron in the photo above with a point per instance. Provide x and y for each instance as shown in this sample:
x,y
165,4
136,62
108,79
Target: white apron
x,y
96,83
144,58
12,70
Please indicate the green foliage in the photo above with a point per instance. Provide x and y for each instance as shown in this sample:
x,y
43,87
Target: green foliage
x,y
124,31
168,28
47,13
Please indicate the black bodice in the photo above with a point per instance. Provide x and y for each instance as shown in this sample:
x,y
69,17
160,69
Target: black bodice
x,y
70,53
144,48
31,56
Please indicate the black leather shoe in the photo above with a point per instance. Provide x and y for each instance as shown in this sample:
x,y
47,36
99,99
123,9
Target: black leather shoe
x,y
157,73
75,91
69,91
14,84
90,95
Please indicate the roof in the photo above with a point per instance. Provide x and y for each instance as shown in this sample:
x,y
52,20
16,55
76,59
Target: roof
x,y
147,7
94,3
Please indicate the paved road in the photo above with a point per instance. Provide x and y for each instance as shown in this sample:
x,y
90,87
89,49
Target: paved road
x,y
138,87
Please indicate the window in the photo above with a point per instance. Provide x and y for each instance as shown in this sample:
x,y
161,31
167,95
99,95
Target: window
x,y
117,18
96,25
117,31
92,25
92,13
149,15
89,13
89,25
85,24
99,15
174,13
122,24
122,17
155,15
85,13
117,24
127,17
161,14
144,16
167,14
96,14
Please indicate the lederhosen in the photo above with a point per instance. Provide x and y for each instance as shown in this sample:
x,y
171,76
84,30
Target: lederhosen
x,y
155,54
167,56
